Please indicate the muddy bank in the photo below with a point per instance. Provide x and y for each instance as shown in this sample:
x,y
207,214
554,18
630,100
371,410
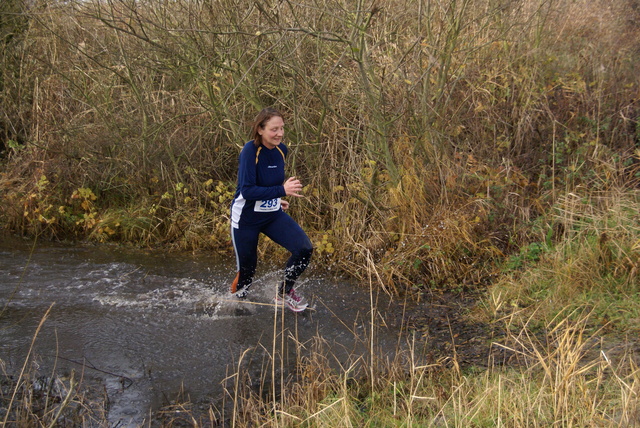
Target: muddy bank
x,y
444,329
449,325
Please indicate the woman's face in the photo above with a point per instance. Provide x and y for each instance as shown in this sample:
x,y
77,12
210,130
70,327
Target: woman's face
x,y
272,132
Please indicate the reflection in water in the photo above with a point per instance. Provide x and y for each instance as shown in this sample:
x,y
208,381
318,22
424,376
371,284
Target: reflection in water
x,y
148,325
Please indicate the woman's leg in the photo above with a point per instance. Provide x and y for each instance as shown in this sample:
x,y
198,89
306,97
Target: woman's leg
x,y
245,245
286,232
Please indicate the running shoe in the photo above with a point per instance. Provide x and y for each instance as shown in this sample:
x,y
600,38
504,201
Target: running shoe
x,y
241,293
292,300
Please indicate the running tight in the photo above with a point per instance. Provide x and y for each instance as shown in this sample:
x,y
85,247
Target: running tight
x,y
284,231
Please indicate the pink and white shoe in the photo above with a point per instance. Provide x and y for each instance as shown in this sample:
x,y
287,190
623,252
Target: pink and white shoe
x,y
292,300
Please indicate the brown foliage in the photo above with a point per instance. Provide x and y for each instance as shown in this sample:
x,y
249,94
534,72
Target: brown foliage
x,y
429,135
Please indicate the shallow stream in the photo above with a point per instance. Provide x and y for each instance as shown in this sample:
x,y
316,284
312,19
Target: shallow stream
x,y
146,325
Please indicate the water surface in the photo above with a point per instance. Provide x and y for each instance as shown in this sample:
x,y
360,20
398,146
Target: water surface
x,y
146,325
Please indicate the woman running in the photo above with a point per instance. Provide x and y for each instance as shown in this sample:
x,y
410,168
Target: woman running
x,y
258,208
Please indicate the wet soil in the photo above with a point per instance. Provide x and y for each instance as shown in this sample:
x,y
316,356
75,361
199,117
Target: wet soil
x,y
445,330
449,330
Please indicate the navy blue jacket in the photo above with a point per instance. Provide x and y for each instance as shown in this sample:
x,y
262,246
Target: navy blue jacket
x,y
260,184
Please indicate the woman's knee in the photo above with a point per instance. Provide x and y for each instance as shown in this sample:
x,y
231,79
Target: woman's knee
x,y
305,250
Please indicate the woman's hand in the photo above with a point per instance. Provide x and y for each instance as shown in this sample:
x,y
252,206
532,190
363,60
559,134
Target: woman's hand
x,y
293,187
284,204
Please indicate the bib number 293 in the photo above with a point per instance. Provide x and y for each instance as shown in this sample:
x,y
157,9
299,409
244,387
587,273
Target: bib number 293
x,y
268,205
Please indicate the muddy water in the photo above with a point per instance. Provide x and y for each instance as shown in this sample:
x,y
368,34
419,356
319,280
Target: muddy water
x,y
146,325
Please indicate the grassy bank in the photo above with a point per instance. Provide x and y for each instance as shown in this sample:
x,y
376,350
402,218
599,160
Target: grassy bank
x,y
569,381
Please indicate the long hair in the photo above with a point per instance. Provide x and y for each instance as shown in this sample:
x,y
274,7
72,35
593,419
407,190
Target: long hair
x,y
261,119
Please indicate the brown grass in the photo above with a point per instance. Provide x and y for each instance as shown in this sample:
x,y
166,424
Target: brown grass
x,y
429,135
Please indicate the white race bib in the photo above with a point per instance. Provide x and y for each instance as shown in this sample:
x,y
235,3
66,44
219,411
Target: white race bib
x,y
267,206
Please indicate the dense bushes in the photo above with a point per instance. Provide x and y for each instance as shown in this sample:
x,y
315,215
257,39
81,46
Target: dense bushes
x,y
432,137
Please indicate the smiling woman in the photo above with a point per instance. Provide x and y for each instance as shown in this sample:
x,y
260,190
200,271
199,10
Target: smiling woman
x,y
270,133
258,208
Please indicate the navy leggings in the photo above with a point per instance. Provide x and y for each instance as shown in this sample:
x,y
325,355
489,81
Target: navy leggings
x,y
284,231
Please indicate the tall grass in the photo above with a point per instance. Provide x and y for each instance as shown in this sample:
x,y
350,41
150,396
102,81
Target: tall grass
x,y
429,134
595,266
568,378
